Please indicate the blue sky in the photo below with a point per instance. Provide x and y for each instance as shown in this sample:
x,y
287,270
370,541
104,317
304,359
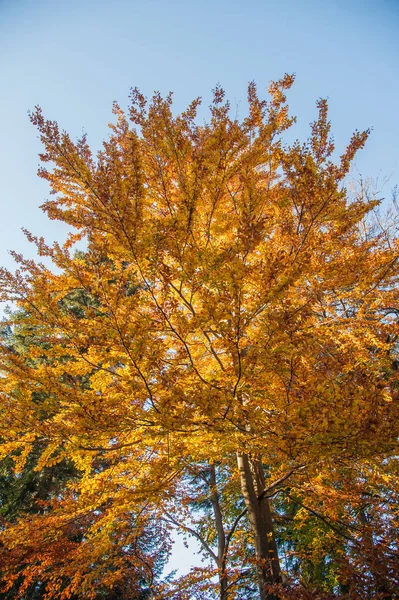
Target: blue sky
x,y
74,58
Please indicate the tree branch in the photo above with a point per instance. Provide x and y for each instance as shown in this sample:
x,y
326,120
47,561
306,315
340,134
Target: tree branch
x,y
191,531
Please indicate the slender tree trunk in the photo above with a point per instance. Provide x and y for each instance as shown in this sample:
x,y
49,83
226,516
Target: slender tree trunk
x,y
223,583
382,588
260,518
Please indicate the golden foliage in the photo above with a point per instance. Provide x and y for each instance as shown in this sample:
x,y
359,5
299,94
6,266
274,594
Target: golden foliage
x,y
226,301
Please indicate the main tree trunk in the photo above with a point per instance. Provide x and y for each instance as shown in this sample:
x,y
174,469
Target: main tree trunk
x,y
260,518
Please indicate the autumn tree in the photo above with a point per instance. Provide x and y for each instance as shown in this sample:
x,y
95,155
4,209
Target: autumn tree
x,y
232,309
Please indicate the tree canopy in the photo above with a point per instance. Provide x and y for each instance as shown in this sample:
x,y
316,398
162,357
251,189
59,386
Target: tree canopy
x,y
221,358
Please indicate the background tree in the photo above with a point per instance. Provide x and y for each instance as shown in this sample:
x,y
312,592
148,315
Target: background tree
x,y
207,505
31,493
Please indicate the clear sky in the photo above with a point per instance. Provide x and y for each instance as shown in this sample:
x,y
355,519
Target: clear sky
x,y
75,57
